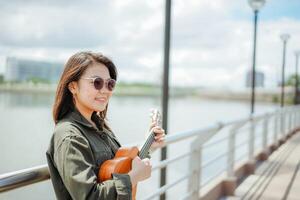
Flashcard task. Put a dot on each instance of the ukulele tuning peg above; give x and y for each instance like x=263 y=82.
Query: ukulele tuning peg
x=151 y=111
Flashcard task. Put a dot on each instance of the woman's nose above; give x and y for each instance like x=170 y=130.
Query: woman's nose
x=104 y=90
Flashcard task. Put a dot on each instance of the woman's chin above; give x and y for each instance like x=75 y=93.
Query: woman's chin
x=99 y=108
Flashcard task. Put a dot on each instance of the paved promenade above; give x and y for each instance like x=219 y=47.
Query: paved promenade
x=276 y=178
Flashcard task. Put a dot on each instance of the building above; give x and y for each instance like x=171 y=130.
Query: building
x=21 y=70
x=259 y=79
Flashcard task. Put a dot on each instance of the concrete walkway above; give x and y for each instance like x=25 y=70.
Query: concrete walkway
x=276 y=178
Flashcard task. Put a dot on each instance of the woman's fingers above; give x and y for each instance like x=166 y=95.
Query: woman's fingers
x=158 y=129
x=159 y=133
x=162 y=136
x=146 y=161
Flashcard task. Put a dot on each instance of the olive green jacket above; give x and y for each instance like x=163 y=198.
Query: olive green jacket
x=76 y=151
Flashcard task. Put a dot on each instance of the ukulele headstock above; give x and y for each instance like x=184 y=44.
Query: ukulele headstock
x=155 y=117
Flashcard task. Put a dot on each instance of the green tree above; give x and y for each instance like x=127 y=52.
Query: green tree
x=291 y=81
x=36 y=80
x=1 y=78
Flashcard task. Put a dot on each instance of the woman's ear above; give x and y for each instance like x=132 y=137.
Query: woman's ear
x=72 y=87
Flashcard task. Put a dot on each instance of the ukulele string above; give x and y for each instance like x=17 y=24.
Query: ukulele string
x=147 y=145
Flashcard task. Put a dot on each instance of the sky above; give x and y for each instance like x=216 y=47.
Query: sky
x=211 y=41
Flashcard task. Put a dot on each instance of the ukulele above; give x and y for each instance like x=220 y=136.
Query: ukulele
x=121 y=163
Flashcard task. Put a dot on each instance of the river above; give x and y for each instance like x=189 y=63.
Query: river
x=26 y=128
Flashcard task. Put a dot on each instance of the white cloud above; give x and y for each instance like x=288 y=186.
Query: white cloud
x=210 y=46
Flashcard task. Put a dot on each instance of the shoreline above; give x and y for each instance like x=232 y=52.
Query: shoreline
x=261 y=94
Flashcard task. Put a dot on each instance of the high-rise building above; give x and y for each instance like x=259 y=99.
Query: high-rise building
x=259 y=79
x=25 y=70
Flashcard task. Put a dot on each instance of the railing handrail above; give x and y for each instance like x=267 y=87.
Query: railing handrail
x=16 y=179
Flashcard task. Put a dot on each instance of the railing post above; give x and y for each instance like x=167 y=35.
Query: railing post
x=296 y=114
x=275 y=127
x=286 y=122
x=195 y=164
x=298 y=118
x=294 y=119
x=231 y=152
x=230 y=183
x=297 y=121
x=290 y=121
x=297 y=111
x=265 y=132
x=282 y=125
x=251 y=138
x=231 y=148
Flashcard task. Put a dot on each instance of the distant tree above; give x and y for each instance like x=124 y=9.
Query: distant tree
x=1 y=78
x=291 y=81
x=36 y=80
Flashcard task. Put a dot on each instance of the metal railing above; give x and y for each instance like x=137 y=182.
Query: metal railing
x=273 y=126
x=13 y=180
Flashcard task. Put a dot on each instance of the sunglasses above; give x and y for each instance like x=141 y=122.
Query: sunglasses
x=100 y=82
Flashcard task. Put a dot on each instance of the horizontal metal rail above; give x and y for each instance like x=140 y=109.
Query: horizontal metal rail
x=165 y=187
x=241 y=144
x=164 y=163
x=23 y=177
x=215 y=142
x=211 y=161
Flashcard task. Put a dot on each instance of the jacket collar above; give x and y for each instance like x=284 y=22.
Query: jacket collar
x=76 y=116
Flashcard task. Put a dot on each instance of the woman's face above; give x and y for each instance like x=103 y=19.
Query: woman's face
x=87 y=98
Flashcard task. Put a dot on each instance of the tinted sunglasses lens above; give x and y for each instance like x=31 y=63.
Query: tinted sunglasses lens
x=98 y=83
x=111 y=84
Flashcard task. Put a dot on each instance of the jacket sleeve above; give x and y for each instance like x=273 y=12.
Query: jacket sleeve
x=75 y=163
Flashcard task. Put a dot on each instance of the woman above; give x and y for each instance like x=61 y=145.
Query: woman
x=82 y=139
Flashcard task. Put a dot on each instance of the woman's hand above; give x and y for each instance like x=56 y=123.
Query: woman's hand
x=141 y=170
x=159 y=139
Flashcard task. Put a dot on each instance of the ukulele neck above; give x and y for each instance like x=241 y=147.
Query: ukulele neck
x=145 y=149
x=156 y=117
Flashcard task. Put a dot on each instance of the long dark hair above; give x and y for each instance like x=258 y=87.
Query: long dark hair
x=74 y=68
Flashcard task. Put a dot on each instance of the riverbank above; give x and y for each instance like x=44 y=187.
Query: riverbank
x=261 y=94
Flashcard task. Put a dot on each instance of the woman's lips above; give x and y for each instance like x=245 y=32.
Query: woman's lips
x=101 y=99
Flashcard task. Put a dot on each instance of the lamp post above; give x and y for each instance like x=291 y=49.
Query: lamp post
x=296 y=100
x=165 y=99
x=284 y=38
x=255 y=5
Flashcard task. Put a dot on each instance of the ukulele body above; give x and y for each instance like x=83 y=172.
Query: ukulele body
x=120 y=164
